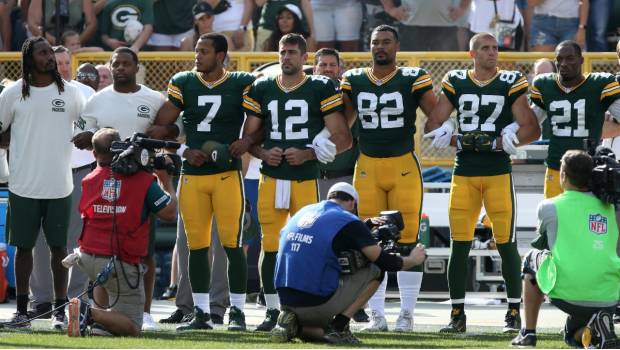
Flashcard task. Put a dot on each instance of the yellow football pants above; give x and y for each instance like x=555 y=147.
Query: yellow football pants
x=392 y=183
x=203 y=196
x=272 y=220
x=552 y=183
x=469 y=193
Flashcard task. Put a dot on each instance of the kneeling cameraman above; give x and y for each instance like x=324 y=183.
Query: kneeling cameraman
x=576 y=262
x=313 y=292
x=115 y=238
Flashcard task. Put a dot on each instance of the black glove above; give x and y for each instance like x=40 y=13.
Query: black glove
x=221 y=6
x=466 y=142
x=475 y=141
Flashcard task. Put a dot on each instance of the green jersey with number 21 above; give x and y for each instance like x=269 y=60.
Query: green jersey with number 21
x=211 y=111
x=486 y=107
x=575 y=113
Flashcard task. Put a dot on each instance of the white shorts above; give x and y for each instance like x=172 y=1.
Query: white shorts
x=157 y=39
x=340 y=22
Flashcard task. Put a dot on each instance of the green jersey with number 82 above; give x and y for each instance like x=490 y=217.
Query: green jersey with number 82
x=211 y=112
x=292 y=117
x=386 y=108
x=485 y=107
x=575 y=113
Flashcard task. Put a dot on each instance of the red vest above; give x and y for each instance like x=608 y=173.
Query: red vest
x=97 y=208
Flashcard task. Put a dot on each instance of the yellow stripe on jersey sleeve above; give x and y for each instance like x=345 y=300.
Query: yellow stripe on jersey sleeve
x=345 y=85
x=518 y=86
x=447 y=86
x=610 y=89
x=175 y=92
x=330 y=103
x=421 y=82
x=251 y=104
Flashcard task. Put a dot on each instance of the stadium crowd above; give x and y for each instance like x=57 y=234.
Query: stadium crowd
x=257 y=25
x=263 y=150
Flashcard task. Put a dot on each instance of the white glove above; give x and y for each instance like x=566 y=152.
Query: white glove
x=442 y=135
x=324 y=149
x=510 y=139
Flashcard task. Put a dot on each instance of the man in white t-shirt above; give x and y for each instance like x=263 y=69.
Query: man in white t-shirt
x=235 y=24
x=134 y=109
x=40 y=109
x=81 y=164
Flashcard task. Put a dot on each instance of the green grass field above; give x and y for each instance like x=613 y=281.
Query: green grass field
x=478 y=337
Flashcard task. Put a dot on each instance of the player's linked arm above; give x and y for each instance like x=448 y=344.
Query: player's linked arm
x=164 y=126
x=350 y=113
x=529 y=130
x=339 y=130
x=440 y=112
x=252 y=126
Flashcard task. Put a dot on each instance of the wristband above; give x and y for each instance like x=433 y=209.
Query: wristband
x=181 y=150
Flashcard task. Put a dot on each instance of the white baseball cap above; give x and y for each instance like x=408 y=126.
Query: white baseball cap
x=344 y=187
x=295 y=9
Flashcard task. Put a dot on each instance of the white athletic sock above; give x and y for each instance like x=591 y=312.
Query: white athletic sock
x=409 y=283
x=202 y=301
x=377 y=301
x=237 y=300
x=272 y=301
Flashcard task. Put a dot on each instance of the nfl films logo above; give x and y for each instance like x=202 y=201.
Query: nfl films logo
x=598 y=224
x=111 y=190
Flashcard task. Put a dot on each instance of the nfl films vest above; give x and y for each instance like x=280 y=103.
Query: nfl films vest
x=97 y=209
x=306 y=260
x=584 y=254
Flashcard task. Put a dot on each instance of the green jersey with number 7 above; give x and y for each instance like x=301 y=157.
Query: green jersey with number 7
x=575 y=113
x=484 y=106
x=211 y=112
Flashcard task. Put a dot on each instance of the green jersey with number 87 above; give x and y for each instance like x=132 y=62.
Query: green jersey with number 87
x=292 y=117
x=386 y=108
x=486 y=107
x=211 y=112
x=575 y=113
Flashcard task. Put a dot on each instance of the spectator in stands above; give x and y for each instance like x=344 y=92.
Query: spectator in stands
x=338 y=25
x=502 y=18
x=173 y=22
x=428 y=25
x=598 y=17
x=71 y=40
x=5 y=23
x=116 y=14
x=203 y=24
x=269 y=16
x=88 y=75
x=234 y=24
x=105 y=76
x=288 y=21
x=77 y=12
x=557 y=20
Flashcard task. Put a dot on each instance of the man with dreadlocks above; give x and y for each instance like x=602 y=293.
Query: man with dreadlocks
x=40 y=109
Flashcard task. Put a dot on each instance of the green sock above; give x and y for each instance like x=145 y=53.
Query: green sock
x=457 y=269
x=237 y=270
x=268 y=271
x=511 y=269
x=199 y=270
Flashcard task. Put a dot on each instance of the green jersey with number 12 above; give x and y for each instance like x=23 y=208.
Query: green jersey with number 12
x=575 y=113
x=486 y=107
x=386 y=108
x=292 y=117
x=211 y=112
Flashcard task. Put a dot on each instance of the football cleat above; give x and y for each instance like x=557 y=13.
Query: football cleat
x=458 y=322
x=512 y=321
x=377 y=323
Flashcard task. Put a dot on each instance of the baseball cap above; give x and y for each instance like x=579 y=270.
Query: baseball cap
x=218 y=153
x=346 y=188
x=202 y=8
x=294 y=9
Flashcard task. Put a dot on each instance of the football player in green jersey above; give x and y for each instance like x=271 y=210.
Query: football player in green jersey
x=292 y=108
x=384 y=99
x=493 y=117
x=210 y=98
x=576 y=105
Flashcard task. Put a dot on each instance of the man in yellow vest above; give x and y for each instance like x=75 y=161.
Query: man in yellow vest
x=575 y=262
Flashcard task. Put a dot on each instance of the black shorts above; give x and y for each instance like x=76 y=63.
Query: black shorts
x=578 y=317
x=531 y=263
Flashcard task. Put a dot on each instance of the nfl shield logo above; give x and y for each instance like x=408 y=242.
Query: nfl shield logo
x=598 y=224
x=109 y=192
